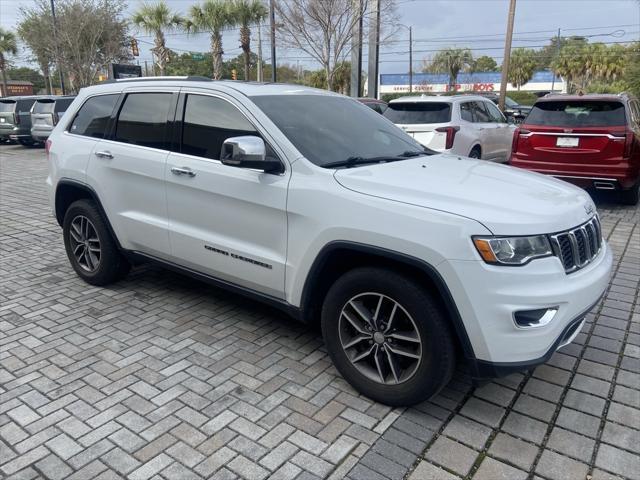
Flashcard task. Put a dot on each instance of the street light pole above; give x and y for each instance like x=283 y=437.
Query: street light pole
x=55 y=39
x=507 y=54
x=553 y=70
x=272 y=18
x=410 y=60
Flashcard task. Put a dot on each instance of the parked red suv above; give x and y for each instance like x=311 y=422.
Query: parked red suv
x=588 y=140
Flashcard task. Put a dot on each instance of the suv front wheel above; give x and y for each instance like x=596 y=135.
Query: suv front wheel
x=91 y=249
x=387 y=336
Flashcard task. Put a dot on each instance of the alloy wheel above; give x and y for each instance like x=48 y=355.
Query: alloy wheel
x=380 y=338
x=85 y=243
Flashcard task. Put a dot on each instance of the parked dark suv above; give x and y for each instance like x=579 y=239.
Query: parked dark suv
x=45 y=114
x=588 y=140
x=15 y=119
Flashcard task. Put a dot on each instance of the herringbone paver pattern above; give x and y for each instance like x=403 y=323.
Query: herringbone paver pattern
x=162 y=377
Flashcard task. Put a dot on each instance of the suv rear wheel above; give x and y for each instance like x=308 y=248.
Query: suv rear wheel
x=387 y=336
x=91 y=249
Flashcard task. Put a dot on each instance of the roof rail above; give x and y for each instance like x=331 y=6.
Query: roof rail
x=156 y=79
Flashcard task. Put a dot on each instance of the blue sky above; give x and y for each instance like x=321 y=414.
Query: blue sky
x=475 y=24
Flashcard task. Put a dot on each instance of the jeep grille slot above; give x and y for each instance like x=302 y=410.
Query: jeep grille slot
x=577 y=247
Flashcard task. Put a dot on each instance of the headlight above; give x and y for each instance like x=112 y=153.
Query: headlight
x=512 y=250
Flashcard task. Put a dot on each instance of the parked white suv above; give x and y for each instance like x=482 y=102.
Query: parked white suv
x=469 y=125
x=315 y=203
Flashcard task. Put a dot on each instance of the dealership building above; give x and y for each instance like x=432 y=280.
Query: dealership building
x=541 y=81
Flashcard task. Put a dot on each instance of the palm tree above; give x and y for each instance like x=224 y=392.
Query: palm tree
x=245 y=13
x=8 y=45
x=155 y=18
x=212 y=16
x=521 y=66
x=451 y=61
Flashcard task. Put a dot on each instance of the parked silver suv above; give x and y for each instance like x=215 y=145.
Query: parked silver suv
x=45 y=114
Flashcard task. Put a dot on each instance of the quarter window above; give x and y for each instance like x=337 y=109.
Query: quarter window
x=494 y=113
x=208 y=122
x=143 y=120
x=92 y=118
x=465 y=111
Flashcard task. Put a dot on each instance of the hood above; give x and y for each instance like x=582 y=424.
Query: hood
x=507 y=200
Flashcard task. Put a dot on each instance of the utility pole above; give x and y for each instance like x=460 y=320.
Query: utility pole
x=272 y=18
x=260 y=76
x=410 y=60
x=356 y=51
x=553 y=80
x=507 y=54
x=55 y=39
x=374 y=43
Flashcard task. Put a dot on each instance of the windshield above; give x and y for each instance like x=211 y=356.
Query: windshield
x=418 y=112
x=43 y=106
x=578 y=113
x=7 y=106
x=328 y=129
x=509 y=102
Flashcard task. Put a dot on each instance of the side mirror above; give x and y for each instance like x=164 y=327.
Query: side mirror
x=248 y=152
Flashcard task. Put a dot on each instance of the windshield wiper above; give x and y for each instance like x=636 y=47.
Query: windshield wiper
x=355 y=161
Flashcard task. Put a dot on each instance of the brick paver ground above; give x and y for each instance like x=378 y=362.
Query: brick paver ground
x=162 y=377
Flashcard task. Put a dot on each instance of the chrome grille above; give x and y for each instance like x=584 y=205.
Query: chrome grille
x=579 y=246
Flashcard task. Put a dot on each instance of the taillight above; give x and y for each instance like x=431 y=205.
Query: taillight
x=516 y=138
x=451 y=135
x=47 y=147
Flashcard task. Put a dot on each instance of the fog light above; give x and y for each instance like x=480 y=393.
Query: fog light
x=534 y=318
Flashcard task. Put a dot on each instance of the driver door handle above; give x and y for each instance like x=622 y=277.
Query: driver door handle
x=104 y=154
x=183 y=171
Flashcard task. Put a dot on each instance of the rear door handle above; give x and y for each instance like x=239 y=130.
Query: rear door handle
x=183 y=171
x=104 y=154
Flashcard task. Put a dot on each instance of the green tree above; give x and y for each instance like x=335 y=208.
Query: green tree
x=185 y=64
x=212 y=16
x=36 y=31
x=8 y=46
x=631 y=75
x=29 y=75
x=155 y=19
x=570 y=63
x=521 y=66
x=452 y=61
x=484 y=64
x=245 y=13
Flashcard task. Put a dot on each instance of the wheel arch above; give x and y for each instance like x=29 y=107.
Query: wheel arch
x=69 y=191
x=336 y=258
x=478 y=147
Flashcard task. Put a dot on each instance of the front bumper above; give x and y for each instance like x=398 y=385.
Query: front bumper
x=487 y=297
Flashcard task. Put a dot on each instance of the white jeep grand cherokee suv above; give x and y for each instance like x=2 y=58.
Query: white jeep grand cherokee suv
x=315 y=203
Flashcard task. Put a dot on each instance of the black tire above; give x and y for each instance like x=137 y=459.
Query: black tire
x=475 y=153
x=111 y=265
x=630 y=196
x=26 y=143
x=437 y=356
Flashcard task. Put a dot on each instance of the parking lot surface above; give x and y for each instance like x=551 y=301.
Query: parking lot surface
x=163 y=377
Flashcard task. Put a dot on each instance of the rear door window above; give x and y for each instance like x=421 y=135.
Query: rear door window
x=92 y=118
x=418 y=112
x=43 y=106
x=479 y=112
x=578 y=113
x=143 y=120
x=7 y=105
x=494 y=113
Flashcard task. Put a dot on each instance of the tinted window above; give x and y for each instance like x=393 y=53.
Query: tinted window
x=578 y=113
x=62 y=104
x=25 y=105
x=92 y=118
x=332 y=129
x=465 y=111
x=479 y=113
x=7 y=106
x=418 y=112
x=143 y=120
x=208 y=122
x=494 y=113
x=43 y=106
